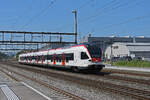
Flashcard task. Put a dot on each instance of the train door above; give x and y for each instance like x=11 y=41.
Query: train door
x=27 y=59
x=42 y=59
x=47 y=58
x=37 y=59
x=30 y=59
x=63 y=59
x=54 y=59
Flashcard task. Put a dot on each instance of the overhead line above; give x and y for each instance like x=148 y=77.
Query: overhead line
x=80 y=7
x=112 y=5
x=39 y=14
x=101 y=9
x=102 y=12
x=19 y=17
x=127 y=21
x=86 y=3
x=113 y=8
x=105 y=6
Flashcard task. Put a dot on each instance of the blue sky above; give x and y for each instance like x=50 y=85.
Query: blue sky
x=98 y=17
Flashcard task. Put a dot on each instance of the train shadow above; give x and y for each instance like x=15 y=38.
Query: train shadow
x=101 y=73
x=84 y=72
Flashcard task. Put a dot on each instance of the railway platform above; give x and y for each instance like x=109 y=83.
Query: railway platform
x=128 y=68
x=19 y=91
x=12 y=90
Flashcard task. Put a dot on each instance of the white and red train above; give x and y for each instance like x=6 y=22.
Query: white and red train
x=78 y=57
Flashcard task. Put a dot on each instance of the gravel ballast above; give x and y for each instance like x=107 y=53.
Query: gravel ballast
x=82 y=91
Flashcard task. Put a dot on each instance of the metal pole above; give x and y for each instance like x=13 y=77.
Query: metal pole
x=42 y=37
x=31 y=37
x=50 y=38
x=24 y=40
x=75 y=12
x=112 y=51
x=60 y=38
x=111 y=56
x=11 y=37
x=3 y=37
x=37 y=46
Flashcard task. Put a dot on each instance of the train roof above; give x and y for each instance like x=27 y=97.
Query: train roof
x=62 y=48
x=65 y=47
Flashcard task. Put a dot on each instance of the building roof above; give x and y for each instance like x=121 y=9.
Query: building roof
x=127 y=39
x=137 y=46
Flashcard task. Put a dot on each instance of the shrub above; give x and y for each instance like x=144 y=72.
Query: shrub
x=133 y=63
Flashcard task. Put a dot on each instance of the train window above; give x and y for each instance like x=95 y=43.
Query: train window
x=69 y=56
x=21 y=58
x=40 y=58
x=50 y=57
x=94 y=51
x=45 y=57
x=84 y=55
x=32 y=57
x=60 y=58
x=35 y=57
x=56 y=58
x=67 y=60
x=26 y=58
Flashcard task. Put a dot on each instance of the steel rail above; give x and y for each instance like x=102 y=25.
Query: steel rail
x=60 y=91
x=127 y=79
x=125 y=72
x=109 y=87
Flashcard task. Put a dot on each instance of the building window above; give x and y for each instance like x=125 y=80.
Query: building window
x=115 y=47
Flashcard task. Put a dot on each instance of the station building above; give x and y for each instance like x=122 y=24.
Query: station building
x=134 y=50
x=105 y=42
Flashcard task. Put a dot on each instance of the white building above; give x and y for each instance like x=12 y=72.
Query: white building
x=128 y=49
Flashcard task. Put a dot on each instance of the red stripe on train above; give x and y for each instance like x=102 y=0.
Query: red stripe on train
x=63 y=59
x=42 y=59
x=54 y=61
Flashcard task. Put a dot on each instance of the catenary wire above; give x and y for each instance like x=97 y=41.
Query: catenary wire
x=39 y=14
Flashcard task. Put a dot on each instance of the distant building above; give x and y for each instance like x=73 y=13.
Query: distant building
x=134 y=50
x=104 y=42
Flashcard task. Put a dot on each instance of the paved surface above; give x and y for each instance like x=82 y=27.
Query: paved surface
x=21 y=91
x=128 y=68
x=12 y=90
x=2 y=96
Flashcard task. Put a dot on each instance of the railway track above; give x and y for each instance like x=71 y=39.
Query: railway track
x=57 y=90
x=109 y=87
x=126 y=72
x=127 y=79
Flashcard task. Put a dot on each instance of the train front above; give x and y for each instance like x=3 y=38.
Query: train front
x=95 y=61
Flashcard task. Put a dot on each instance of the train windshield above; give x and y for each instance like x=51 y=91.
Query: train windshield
x=94 y=51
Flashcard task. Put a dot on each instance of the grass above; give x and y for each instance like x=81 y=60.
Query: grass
x=133 y=63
